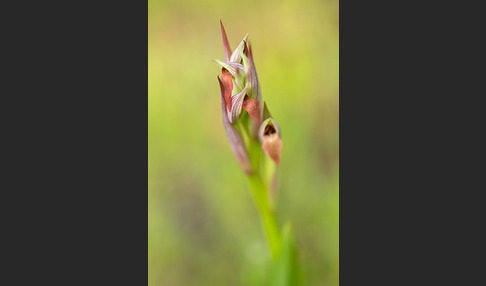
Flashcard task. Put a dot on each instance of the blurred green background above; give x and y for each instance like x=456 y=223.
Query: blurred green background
x=203 y=228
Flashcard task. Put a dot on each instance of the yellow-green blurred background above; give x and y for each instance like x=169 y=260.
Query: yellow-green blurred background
x=203 y=228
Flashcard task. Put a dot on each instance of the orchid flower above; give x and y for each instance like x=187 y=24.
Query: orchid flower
x=240 y=90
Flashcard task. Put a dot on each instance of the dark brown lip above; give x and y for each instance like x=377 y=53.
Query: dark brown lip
x=269 y=129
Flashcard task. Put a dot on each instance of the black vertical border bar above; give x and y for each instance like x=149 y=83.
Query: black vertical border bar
x=74 y=108
x=123 y=192
x=103 y=229
x=372 y=176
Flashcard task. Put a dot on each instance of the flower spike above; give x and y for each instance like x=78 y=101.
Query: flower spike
x=240 y=89
x=249 y=133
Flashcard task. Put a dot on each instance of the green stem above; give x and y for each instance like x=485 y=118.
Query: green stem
x=260 y=192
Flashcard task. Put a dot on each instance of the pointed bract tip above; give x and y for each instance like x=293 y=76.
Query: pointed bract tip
x=266 y=112
x=226 y=46
x=236 y=55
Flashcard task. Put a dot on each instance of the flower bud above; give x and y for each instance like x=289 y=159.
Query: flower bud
x=237 y=105
x=269 y=136
x=234 y=138
x=236 y=56
x=251 y=74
